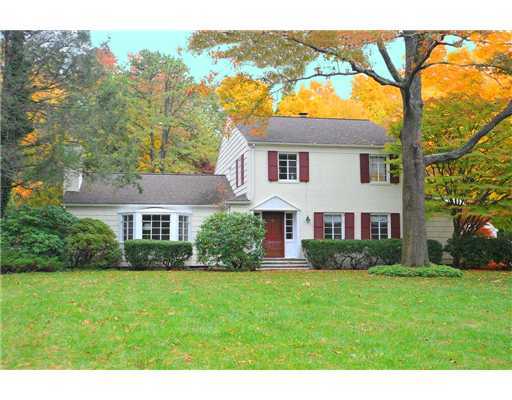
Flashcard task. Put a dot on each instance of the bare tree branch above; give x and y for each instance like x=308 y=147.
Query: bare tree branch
x=497 y=67
x=468 y=146
x=355 y=67
x=389 y=63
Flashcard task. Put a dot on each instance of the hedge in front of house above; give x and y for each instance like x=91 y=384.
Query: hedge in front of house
x=359 y=254
x=478 y=251
x=143 y=254
x=432 y=271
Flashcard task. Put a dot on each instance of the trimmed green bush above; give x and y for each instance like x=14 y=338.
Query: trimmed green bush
x=478 y=251
x=432 y=271
x=92 y=244
x=360 y=254
x=232 y=241
x=142 y=254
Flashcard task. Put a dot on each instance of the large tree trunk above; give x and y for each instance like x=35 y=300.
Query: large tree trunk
x=414 y=248
x=15 y=99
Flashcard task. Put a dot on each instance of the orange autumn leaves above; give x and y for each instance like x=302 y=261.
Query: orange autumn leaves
x=242 y=96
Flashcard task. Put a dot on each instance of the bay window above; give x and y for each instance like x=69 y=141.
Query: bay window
x=183 y=227
x=156 y=226
x=127 y=227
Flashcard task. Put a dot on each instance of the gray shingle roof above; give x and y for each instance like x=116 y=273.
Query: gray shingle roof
x=177 y=189
x=305 y=130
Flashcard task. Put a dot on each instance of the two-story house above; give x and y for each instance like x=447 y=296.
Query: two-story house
x=306 y=177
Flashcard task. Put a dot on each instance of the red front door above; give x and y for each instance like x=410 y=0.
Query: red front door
x=274 y=234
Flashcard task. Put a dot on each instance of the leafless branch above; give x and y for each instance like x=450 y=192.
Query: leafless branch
x=355 y=67
x=389 y=63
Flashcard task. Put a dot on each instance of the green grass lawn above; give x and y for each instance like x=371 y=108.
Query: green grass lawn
x=261 y=320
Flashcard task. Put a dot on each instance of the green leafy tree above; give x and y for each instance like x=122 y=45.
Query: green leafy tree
x=286 y=57
x=178 y=121
x=477 y=187
x=57 y=97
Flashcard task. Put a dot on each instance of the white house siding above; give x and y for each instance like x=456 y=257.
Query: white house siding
x=111 y=216
x=107 y=214
x=233 y=147
x=334 y=185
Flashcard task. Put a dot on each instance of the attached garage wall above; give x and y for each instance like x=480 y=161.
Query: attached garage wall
x=440 y=228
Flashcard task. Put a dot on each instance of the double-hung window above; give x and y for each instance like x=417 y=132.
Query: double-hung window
x=183 y=227
x=379 y=226
x=333 y=226
x=156 y=226
x=288 y=166
x=378 y=169
x=127 y=227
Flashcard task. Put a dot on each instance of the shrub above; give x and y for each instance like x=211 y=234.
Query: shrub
x=157 y=253
x=14 y=261
x=92 y=244
x=37 y=231
x=477 y=251
x=431 y=271
x=335 y=254
x=435 y=251
x=231 y=240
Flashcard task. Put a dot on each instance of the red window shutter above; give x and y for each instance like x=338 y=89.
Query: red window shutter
x=242 y=177
x=304 y=166
x=395 y=225
x=272 y=166
x=365 y=226
x=349 y=226
x=318 y=225
x=394 y=171
x=364 y=167
x=236 y=172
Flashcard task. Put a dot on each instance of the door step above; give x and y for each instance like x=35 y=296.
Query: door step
x=284 y=263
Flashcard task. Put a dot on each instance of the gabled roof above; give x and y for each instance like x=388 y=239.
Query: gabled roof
x=173 y=189
x=322 y=131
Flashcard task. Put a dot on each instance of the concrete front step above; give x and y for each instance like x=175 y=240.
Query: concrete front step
x=284 y=263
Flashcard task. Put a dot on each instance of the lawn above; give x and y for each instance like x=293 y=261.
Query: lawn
x=261 y=320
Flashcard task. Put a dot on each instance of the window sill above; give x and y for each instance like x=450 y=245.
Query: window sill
x=287 y=181
x=380 y=183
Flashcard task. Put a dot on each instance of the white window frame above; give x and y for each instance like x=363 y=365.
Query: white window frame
x=286 y=226
x=388 y=225
x=151 y=221
x=288 y=167
x=331 y=214
x=386 y=166
x=122 y=226
x=183 y=234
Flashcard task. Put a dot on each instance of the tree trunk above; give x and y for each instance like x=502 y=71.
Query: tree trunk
x=166 y=129
x=15 y=98
x=414 y=247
